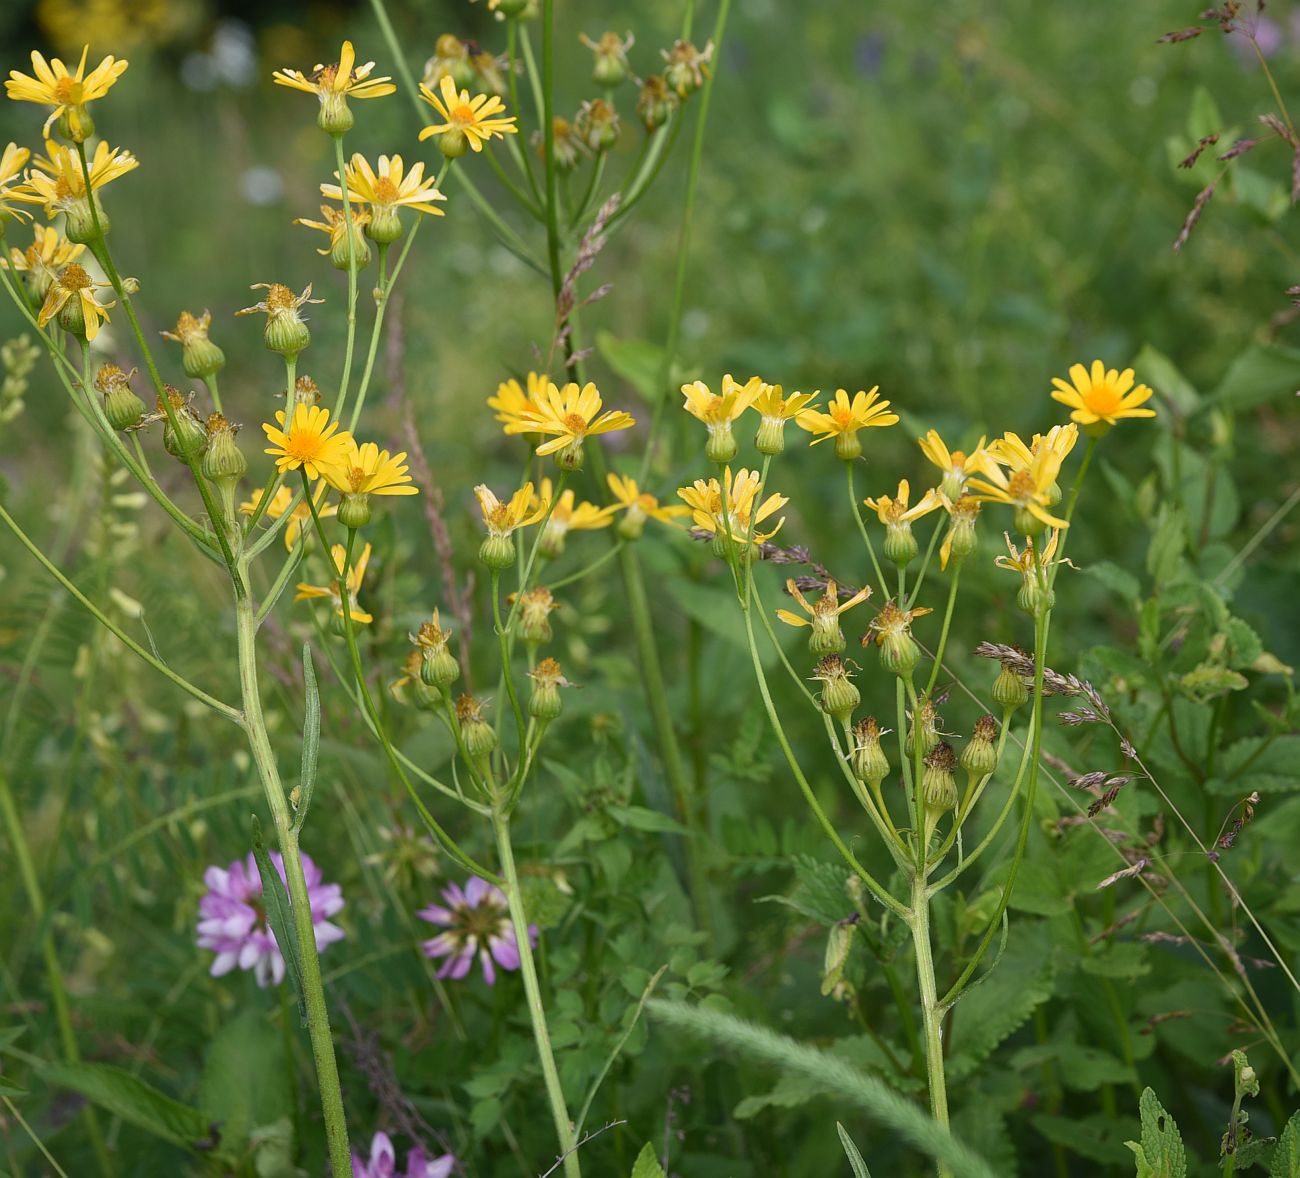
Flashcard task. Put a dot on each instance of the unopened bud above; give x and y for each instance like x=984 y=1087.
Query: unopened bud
x=721 y=446
x=354 y=509
x=838 y=943
x=926 y=723
x=1009 y=690
x=478 y=735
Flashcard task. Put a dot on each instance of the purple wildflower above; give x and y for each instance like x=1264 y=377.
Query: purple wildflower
x=383 y=1162
x=232 y=918
x=477 y=920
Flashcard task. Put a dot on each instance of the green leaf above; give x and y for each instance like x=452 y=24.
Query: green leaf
x=858 y=1166
x=790 y=1091
x=647 y=1164
x=1203 y=117
x=244 y=1082
x=641 y=818
x=1157 y=370
x=1263 y=372
x=139 y=1103
x=638 y=362
x=310 y=739
x=9 y=1088
x=1119 y=581
x=718 y=611
x=1161 y=1153
x=1097 y=1138
x=1286 y=1158
x=272 y=1147
x=279 y=917
x=1165 y=556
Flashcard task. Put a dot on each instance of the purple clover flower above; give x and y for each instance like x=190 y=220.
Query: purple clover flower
x=232 y=918
x=383 y=1162
x=477 y=921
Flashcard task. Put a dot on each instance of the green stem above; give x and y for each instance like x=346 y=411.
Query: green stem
x=536 y=1012
x=925 y=567
x=504 y=641
x=346 y=378
x=931 y=1011
x=586 y=571
x=947 y=622
x=211 y=382
x=318 y=1026
x=866 y=536
x=548 y=144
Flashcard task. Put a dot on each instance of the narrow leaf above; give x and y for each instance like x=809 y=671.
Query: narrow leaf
x=279 y=916
x=855 y=1159
x=310 y=738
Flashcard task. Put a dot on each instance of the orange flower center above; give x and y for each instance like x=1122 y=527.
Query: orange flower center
x=1021 y=486
x=841 y=416
x=576 y=424
x=280 y=298
x=385 y=191
x=304 y=445
x=67 y=92
x=462 y=115
x=75 y=278
x=1102 y=399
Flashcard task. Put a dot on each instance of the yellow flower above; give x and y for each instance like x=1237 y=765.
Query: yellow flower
x=1101 y=397
x=72 y=298
x=571 y=414
x=895 y=512
x=719 y=410
x=1028 y=488
x=957 y=466
x=388 y=187
x=338 y=557
x=569 y=516
x=368 y=470
x=844 y=417
x=310 y=442
x=775 y=409
x=468 y=121
x=1011 y=451
x=823 y=615
x=960 y=540
x=67 y=93
x=513 y=404
x=640 y=507
x=301 y=517
x=334 y=84
x=741 y=509
x=503 y=517
x=48 y=254
x=335 y=225
x=1033 y=565
x=11 y=164
x=59 y=185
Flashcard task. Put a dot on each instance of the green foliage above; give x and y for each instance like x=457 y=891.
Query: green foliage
x=1160 y=1153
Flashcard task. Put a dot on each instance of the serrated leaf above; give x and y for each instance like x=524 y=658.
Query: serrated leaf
x=1286 y=1158
x=127 y=1096
x=275 y=898
x=1161 y=1153
x=647 y=1164
x=858 y=1166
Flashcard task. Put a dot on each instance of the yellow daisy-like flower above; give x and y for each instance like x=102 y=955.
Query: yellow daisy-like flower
x=469 y=122
x=1030 y=489
x=513 y=404
x=733 y=516
x=719 y=410
x=58 y=184
x=895 y=512
x=42 y=261
x=1011 y=451
x=567 y=516
x=503 y=517
x=338 y=558
x=12 y=162
x=300 y=519
x=368 y=470
x=957 y=466
x=823 y=615
x=640 y=506
x=67 y=93
x=72 y=298
x=1101 y=397
x=386 y=189
x=775 y=409
x=334 y=84
x=844 y=417
x=311 y=442
x=1033 y=565
x=571 y=415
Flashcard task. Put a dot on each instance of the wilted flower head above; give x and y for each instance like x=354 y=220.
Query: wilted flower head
x=476 y=920
x=334 y=83
x=232 y=917
x=823 y=615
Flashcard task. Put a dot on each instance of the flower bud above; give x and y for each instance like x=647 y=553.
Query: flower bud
x=938 y=784
x=771 y=436
x=200 y=357
x=979 y=758
x=222 y=460
x=686 y=67
x=838 y=696
x=476 y=733
x=334 y=117
x=868 y=758
x=721 y=446
x=1009 y=690
x=75 y=124
x=121 y=405
x=1027 y=523
x=610 y=67
x=426 y=697
x=534 y=621
x=544 y=704
x=354 y=509
x=187 y=440
x=497 y=552
x=900 y=545
x=384 y=226
x=453 y=143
